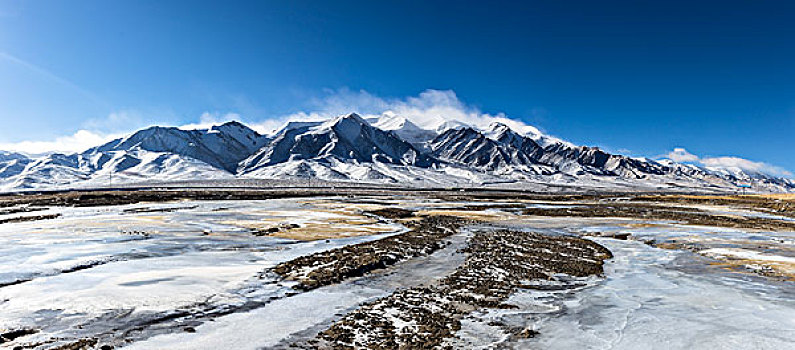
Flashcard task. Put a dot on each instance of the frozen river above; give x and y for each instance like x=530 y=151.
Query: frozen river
x=653 y=298
x=192 y=275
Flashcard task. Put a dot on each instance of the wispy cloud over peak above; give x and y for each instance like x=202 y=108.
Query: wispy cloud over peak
x=681 y=155
x=429 y=109
x=209 y=119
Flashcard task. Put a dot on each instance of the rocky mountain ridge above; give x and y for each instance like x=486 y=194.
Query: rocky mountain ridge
x=389 y=149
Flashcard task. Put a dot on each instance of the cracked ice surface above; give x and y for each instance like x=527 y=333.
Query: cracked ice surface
x=644 y=303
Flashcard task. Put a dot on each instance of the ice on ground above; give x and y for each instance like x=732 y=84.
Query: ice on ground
x=646 y=303
x=746 y=255
x=289 y=317
x=265 y=326
x=154 y=284
x=94 y=261
x=63 y=276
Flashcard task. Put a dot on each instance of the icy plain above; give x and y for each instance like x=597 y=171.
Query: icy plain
x=143 y=272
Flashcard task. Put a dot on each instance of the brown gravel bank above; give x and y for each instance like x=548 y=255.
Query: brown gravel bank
x=497 y=263
x=781 y=204
x=689 y=216
x=30 y=218
x=424 y=237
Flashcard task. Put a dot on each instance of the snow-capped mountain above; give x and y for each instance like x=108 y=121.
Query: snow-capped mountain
x=348 y=137
x=405 y=129
x=350 y=148
x=468 y=147
x=9 y=156
x=12 y=164
x=222 y=146
x=65 y=170
x=500 y=147
x=156 y=153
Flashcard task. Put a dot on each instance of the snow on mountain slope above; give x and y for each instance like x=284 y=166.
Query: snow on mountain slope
x=293 y=125
x=12 y=164
x=158 y=166
x=466 y=146
x=384 y=149
x=405 y=129
x=222 y=146
x=500 y=147
x=376 y=172
x=450 y=124
x=520 y=145
x=469 y=147
x=54 y=169
x=582 y=159
x=9 y=156
x=510 y=151
x=113 y=167
x=152 y=154
x=347 y=137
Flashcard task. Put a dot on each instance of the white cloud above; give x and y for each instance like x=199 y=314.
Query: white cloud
x=428 y=110
x=91 y=132
x=210 y=119
x=95 y=132
x=683 y=156
x=745 y=164
x=77 y=142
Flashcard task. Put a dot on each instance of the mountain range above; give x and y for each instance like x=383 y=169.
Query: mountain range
x=387 y=149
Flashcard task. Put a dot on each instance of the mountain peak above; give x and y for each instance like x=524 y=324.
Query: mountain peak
x=230 y=124
x=393 y=122
x=352 y=116
x=404 y=128
x=498 y=125
x=451 y=124
x=235 y=129
x=497 y=129
x=348 y=143
x=345 y=119
x=4 y=156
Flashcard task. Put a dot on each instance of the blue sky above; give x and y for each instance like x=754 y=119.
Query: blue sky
x=642 y=77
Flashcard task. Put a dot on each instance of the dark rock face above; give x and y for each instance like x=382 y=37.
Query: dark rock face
x=346 y=138
x=521 y=145
x=595 y=161
x=466 y=146
x=470 y=147
x=279 y=150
